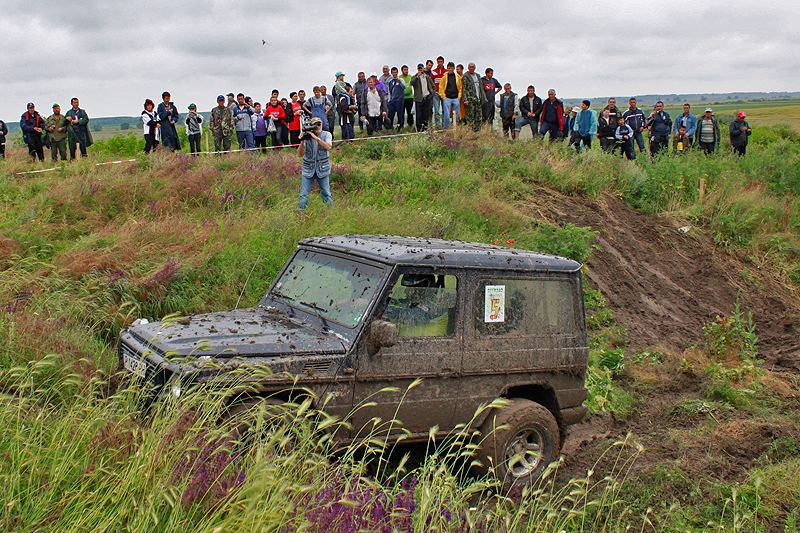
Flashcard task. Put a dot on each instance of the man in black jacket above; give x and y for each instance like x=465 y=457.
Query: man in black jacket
x=551 y=116
x=659 y=125
x=530 y=107
x=32 y=125
x=3 y=133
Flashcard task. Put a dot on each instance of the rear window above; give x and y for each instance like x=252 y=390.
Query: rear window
x=524 y=307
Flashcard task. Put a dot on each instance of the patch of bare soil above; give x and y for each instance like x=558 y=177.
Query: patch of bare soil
x=663 y=285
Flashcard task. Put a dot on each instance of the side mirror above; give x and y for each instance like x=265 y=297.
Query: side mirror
x=382 y=334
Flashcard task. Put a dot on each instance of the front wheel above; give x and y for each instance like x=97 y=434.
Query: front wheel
x=518 y=441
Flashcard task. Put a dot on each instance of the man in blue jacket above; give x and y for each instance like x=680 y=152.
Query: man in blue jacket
x=686 y=120
x=659 y=125
x=32 y=125
x=585 y=127
x=634 y=117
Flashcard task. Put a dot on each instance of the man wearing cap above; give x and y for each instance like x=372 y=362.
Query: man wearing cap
x=740 y=131
x=634 y=117
x=424 y=89
x=78 y=133
x=32 y=125
x=231 y=101
x=315 y=147
x=57 y=127
x=706 y=136
x=221 y=125
x=686 y=120
x=194 y=128
x=659 y=125
x=339 y=86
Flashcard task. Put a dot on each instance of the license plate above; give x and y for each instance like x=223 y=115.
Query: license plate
x=137 y=366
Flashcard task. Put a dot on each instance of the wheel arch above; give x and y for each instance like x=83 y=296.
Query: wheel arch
x=541 y=393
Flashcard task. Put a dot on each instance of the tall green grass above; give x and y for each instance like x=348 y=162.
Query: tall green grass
x=103 y=465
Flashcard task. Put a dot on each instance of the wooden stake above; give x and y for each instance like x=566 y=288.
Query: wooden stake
x=702 y=188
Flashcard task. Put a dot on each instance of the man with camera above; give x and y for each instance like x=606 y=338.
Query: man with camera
x=315 y=147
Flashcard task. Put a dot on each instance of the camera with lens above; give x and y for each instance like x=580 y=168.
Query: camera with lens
x=305 y=123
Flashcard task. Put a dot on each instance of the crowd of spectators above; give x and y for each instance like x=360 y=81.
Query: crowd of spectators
x=436 y=96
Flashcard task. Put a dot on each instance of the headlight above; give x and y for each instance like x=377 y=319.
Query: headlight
x=175 y=390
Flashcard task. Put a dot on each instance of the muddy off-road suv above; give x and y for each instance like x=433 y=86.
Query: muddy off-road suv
x=356 y=318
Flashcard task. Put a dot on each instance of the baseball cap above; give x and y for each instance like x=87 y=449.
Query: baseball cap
x=741 y=114
x=220 y=97
x=192 y=106
x=315 y=121
x=708 y=110
x=56 y=105
x=420 y=65
x=230 y=94
x=340 y=73
x=30 y=105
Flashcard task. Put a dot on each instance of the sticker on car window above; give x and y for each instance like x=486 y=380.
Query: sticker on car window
x=494 y=309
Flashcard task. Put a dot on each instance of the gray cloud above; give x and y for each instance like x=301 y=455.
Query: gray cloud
x=116 y=54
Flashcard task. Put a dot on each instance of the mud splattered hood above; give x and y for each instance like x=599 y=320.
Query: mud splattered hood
x=255 y=332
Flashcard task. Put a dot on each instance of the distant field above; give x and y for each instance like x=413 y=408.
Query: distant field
x=767 y=113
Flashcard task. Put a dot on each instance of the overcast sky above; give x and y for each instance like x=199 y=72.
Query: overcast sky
x=113 y=54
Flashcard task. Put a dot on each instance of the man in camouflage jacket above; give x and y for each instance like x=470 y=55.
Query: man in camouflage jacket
x=221 y=125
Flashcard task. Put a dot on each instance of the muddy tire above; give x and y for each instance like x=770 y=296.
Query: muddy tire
x=518 y=442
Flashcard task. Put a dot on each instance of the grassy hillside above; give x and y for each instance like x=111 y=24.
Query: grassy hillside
x=86 y=249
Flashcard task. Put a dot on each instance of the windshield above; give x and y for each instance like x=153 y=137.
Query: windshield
x=334 y=288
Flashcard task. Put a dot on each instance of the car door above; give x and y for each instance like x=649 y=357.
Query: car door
x=429 y=347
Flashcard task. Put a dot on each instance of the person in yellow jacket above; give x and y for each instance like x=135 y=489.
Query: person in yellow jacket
x=450 y=92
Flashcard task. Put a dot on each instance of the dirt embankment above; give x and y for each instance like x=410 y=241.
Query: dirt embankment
x=663 y=285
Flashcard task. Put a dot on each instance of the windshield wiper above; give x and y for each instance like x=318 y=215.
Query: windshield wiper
x=317 y=309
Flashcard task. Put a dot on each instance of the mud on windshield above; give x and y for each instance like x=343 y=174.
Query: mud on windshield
x=334 y=288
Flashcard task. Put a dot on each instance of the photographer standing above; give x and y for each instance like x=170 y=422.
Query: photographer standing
x=315 y=147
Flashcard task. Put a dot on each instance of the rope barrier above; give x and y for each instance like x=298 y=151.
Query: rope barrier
x=336 y=144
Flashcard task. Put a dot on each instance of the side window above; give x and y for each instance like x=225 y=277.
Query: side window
x=524 y=307
x=423 y=305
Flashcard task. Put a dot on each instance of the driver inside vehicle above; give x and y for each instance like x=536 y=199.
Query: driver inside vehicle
x=421 y=306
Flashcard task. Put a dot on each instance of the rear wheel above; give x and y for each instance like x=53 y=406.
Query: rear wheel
x=518 y=442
